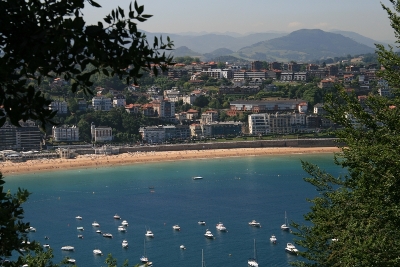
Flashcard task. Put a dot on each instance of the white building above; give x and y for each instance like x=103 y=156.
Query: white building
x=119 y=101
x=101 y=133
x=152 y=134
x=65 y=133
x=189 y=99
x=259 y=123
x=209 y=116
x=101 y=103
x=60 y=106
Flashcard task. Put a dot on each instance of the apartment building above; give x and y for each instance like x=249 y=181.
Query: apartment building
x=101 y=103
x=60 y=106
x=26 y=137
x=65 y=133
x=101 y=133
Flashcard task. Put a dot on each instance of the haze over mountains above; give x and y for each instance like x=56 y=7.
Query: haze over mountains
x=301 y=45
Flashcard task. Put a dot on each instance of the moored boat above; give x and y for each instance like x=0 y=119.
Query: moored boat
x=176 y=227
x=121 y=228
x=78 y=217
x=124 y=223
x=197 y=178
x=67 y=248
x=95 y=224
x=107 y=235
x=221 y=227
x=201 y=222
x=273 y=239
x=117 y=217
x=208 y=234
x=97 y=252
x=125 y=244
x=290 y=248
x=80 y=228
x=254 y=223
x=252 y=262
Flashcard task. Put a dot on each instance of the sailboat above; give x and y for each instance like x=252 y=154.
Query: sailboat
x=144 y=258
x=252 y=262
x=203 y=264
x=285 y=226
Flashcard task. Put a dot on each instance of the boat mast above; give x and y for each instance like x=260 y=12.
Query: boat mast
x=255 y=250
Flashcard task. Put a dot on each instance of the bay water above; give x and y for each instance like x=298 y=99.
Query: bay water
x=157 y=196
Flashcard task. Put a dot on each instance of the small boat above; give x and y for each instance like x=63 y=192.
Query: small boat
x=98 y=231
x=182 y=247
x=121 y=228
x=176 y=227
x=31 y=229
x=273 y=239
x=290 y=248
x=46 y=246
x=144 y=258
x=208 y=234
x=117 y=217
x=254 y=223
x=197 y=178
x=124 y=244
x=149 y=233
x=78 y=217
x=46 y=237
x=95 y=224
x=252 y=262
x=80 y=228
x=124 y=223
x=220 y=226
x=71 y=261
x=80 y=236
x=97 y=252
x=285 y=226
x=201 y=222
x=107 y=235
x=68 y=248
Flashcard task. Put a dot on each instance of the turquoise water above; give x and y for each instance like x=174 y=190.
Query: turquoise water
x=234 y=191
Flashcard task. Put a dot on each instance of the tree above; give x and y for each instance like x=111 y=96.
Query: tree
x=48 y=39
x=354 y=219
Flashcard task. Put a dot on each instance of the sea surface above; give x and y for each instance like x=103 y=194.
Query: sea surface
x=157 y=196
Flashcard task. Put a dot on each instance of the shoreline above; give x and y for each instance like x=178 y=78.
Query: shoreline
x=96 y=161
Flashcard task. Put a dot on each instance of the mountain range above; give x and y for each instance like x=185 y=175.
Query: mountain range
x=301 y=45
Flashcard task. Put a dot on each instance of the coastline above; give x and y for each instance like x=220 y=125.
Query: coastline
x=98 y=161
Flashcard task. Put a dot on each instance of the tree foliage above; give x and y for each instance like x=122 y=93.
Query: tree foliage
x=354 y=220
x=50 y=38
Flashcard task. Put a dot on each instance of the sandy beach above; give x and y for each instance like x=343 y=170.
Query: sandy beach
x=97 y=161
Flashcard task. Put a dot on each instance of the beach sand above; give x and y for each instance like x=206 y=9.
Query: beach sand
x=98 y=161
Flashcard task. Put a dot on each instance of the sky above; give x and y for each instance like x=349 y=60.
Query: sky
x=365 y=17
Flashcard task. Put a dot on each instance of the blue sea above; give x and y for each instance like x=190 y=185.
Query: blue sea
x=157 y=196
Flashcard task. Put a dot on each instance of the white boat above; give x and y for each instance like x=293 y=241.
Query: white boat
x=124 y=244
x=176 y=227
x=254 y=223
x=273 y=239
x=149 y=233
x=121 y=228
x=252 y=262
x=182 y=247
x=98 y=231
x=31 y=229
x=117 y=217
x=46 y=246
x=144 y=258
x=208 y=234
x=124 y=223
x=220 y=226
x=95 y=224
x=285 y=226
x=201 y=222
x=67 y=248
x=78 y=217
x=290 y=248
x=80 y=228
x=197 y=178
x=71 y=261
x=80 y=236
x=97 y=252
x=108 y=235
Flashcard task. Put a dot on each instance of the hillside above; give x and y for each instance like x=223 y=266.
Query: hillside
x=304 y=45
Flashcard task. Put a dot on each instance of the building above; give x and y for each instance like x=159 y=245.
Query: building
x=279 y=123
x=65 y=133
x=101 y=103
x=82 y=105
x=164 y=108
x=218 y=73
x=248 y=75
x=209 y=116
x=173 y=95
x=152 y=134
x=133 y=108
x=60 y=106
x=258 y=124
x=119 y=101
x=266 y=106
x=101 y=133
x=26 y=137
x=242 y=90
x=294 y=76
x=256 y=65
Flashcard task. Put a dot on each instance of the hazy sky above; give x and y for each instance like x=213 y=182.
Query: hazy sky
x=365 y=17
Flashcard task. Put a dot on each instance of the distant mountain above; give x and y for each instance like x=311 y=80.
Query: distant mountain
x=218 y=53
x=209 y=42
x=183 y=51
x=359 y=38
x=304 y=45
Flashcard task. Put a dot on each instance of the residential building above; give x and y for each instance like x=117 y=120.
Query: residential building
x=133 y=108
x=119 y=101
x=164 y=108
x=256 y=65
x=82 y=105
x=173 y=95
x=65 y=133
x=265 y=106
x=60 y=106
x=294 y=76
x=209 y=116
x=319 y=109
x=243 y=90
x=101 y=133
x=247 y=75
x=152 y=134
x=189 y=99
x=258 y=124
x=323 y=84
x=218 y=73
x=26 y=137
x=101 y=103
